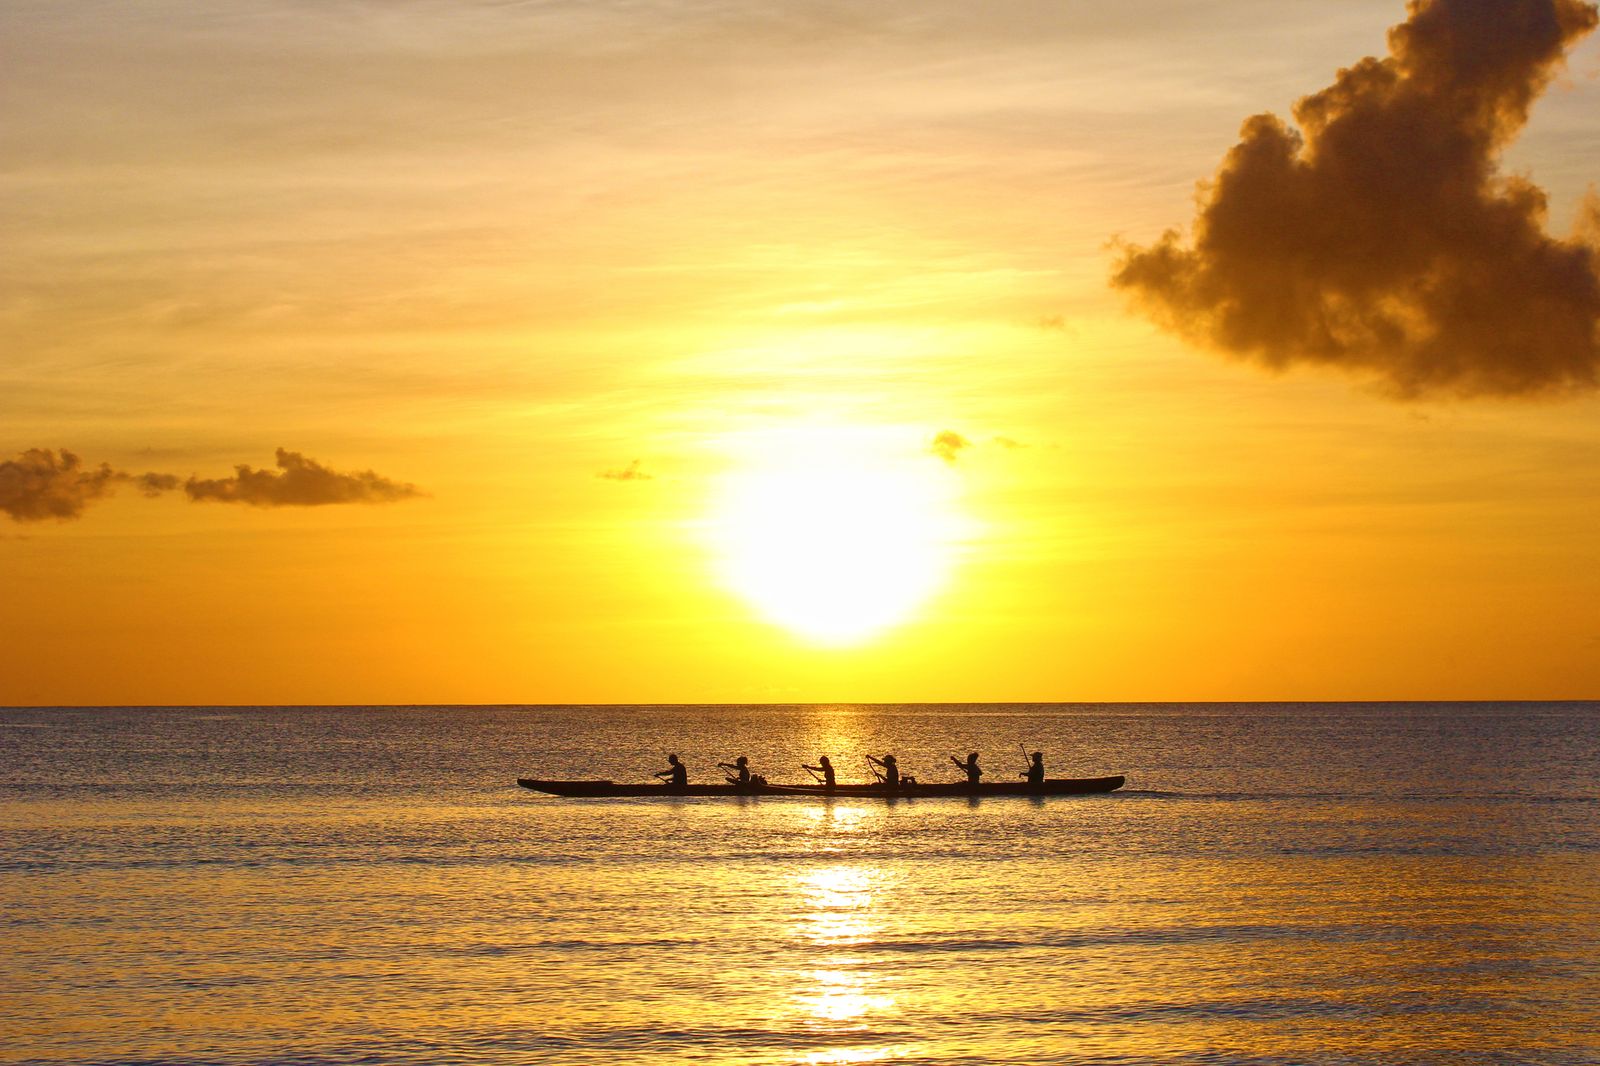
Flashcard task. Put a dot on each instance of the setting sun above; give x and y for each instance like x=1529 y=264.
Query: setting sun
x=833 y=541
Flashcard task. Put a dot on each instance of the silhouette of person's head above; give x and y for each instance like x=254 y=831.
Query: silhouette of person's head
x=1038 y=756
x=740 y=761
x=824 y=761
x=673 y=759
x=888 y=758
x=972 y=756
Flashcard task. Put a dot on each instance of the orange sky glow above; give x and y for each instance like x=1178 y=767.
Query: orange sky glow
x=709 y=352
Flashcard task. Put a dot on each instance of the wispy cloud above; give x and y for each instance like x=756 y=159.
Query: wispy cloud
x=42 y=484
x=1381 y=237
x=947 y=444
x=634 y=471
x=298 y=482
x=156 y=484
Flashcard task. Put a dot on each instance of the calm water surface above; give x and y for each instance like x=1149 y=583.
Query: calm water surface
x=1278 y=884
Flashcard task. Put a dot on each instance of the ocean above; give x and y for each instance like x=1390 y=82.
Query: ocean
x=1277 y=884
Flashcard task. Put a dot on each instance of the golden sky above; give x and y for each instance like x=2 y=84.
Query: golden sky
x=714 y=351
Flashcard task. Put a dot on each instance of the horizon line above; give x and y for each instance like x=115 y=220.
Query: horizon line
x=784 y=703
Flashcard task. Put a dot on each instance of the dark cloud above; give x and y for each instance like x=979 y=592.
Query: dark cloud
x=948 y=444
x=1381 y=237
x=40 y=484
x=1588 y=228
x=631 y=472
x=156 y=484
x=298 y=482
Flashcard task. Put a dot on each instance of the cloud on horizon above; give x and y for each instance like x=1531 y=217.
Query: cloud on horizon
x=1381 y=238
x=41 y=484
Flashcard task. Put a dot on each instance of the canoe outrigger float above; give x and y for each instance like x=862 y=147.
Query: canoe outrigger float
x=1053 y=786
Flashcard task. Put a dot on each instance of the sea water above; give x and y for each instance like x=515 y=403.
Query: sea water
x=1314 y=883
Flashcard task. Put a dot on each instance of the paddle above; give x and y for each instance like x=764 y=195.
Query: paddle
x=874 y=768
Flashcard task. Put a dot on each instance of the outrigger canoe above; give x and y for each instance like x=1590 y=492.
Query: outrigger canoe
x=1053 y=786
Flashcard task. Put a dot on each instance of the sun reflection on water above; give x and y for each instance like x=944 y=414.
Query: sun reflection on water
x=844 y=1056
x=835 y=816
x=841 y=912
x=839 y=906
x=841 y=996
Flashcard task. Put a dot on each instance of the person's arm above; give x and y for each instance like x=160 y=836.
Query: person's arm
x=875 y=759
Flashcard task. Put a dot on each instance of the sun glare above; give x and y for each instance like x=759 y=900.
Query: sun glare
x=834 y=543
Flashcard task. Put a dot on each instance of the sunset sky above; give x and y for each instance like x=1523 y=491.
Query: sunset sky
x=719 y=352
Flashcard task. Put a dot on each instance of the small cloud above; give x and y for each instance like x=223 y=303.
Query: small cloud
x=948 y=444
x=156 y=484
x=631 y=472
x=1009 y=444
x=1056 y=323
x=41 y=484
x=298 y=482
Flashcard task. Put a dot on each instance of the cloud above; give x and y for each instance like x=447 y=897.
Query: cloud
x=1381 y=238
x=156 y=484
x=1010 y=444
x=631 y=472
x=298 y=482
x=40 y=484
x=947 y=445
x=1587 y=228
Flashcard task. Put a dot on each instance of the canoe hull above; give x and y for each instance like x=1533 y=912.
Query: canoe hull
x=1055 y=786
x=611 y=788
